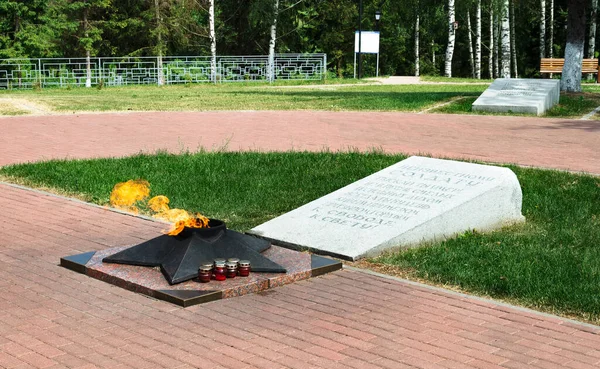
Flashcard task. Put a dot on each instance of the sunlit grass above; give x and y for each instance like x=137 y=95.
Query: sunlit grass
x=247 y=97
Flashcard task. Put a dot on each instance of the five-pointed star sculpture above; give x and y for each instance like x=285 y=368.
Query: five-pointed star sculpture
x=180 y=256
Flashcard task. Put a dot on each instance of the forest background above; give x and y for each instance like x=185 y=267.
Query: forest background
x=411 y=30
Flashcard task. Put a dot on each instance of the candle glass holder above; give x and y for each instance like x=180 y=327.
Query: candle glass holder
x=244 y=268
x=219 y=271
x=232 y=269
x=205 y=272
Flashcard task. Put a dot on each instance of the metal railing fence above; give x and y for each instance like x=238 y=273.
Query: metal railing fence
x=123 y=71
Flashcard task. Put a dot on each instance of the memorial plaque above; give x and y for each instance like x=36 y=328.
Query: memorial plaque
x=532 y=96
x=416 y=200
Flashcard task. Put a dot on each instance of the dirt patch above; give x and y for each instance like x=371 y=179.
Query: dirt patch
x=10 y=106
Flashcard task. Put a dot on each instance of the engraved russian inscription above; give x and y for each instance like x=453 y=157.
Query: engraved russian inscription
x=397 y=196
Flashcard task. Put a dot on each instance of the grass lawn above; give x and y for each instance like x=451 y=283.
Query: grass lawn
x=454 y=80
x=247 y=97
x=552 y=262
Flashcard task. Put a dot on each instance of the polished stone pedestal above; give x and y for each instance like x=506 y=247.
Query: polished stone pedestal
x=151 y=282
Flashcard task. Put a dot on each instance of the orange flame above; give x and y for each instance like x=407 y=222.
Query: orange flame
x=159 y=203
x=126 y=194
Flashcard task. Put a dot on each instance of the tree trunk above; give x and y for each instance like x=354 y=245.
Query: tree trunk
x=496 y=45
x=513 y=45
x=571 y=74
x=491 y=56
x=551 y=41
x=542 y=29
x=160 y=79
x=88 y=64
x=478 y=41
x=592 y=34
x=271 y=66
x=451 y=39
x=417 y=66
x=471 y=56
x=505 y=35
x=213 y=41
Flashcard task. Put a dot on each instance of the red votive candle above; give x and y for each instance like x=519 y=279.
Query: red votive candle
x=219 y=271
x=244 y=268
x=231 y=269
x=205 y=272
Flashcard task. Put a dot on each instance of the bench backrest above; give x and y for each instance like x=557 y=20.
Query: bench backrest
x=555 y=65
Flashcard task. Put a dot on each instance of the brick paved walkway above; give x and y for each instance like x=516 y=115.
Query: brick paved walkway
x=556 y=143
x=51 y=317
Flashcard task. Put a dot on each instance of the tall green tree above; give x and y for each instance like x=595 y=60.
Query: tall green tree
x=27 y=29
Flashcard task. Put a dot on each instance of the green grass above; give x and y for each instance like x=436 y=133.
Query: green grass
x=454 y=80
x=551 y=262
x=570 y=106
x=247 y=97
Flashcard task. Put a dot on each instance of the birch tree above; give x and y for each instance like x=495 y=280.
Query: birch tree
x=478 y=40
x=542 y=29
x=513 y=44
x=213 y=41
x=491 y=50
x=496 y=45
x=79 y=18
x=417 y=66
x=505 y=36
x=571 y=74
x=592 y=34
x=88 y=64
x=271 y=66
x=451 y=39
x=471 y=56
x=159 y=44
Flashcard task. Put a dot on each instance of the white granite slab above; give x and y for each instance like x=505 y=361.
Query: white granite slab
x=416 y=200
x=533 y=96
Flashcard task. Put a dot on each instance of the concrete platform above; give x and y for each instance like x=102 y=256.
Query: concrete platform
x=151 y=282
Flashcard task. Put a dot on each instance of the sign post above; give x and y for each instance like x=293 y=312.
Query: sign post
x=366 y=43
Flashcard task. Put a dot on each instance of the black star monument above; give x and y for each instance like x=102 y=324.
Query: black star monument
x=180 y=256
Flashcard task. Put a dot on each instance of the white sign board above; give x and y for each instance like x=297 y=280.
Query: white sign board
x=369 y=42
x=416 y=200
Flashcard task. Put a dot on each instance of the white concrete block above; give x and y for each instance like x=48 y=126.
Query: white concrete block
x=416 y=200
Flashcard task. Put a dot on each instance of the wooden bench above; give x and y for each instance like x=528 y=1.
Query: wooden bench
x=555 y=65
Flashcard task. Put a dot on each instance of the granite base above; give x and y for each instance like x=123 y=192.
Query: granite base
x=151 y=282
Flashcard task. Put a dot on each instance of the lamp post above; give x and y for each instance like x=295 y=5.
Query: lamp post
x=360 y=10
x=377 y=18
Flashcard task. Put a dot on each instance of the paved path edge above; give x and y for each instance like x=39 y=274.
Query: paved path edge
x=587 y=326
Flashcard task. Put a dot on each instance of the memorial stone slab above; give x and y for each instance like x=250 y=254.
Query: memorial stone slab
x=532 y=96
x=413 y=201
